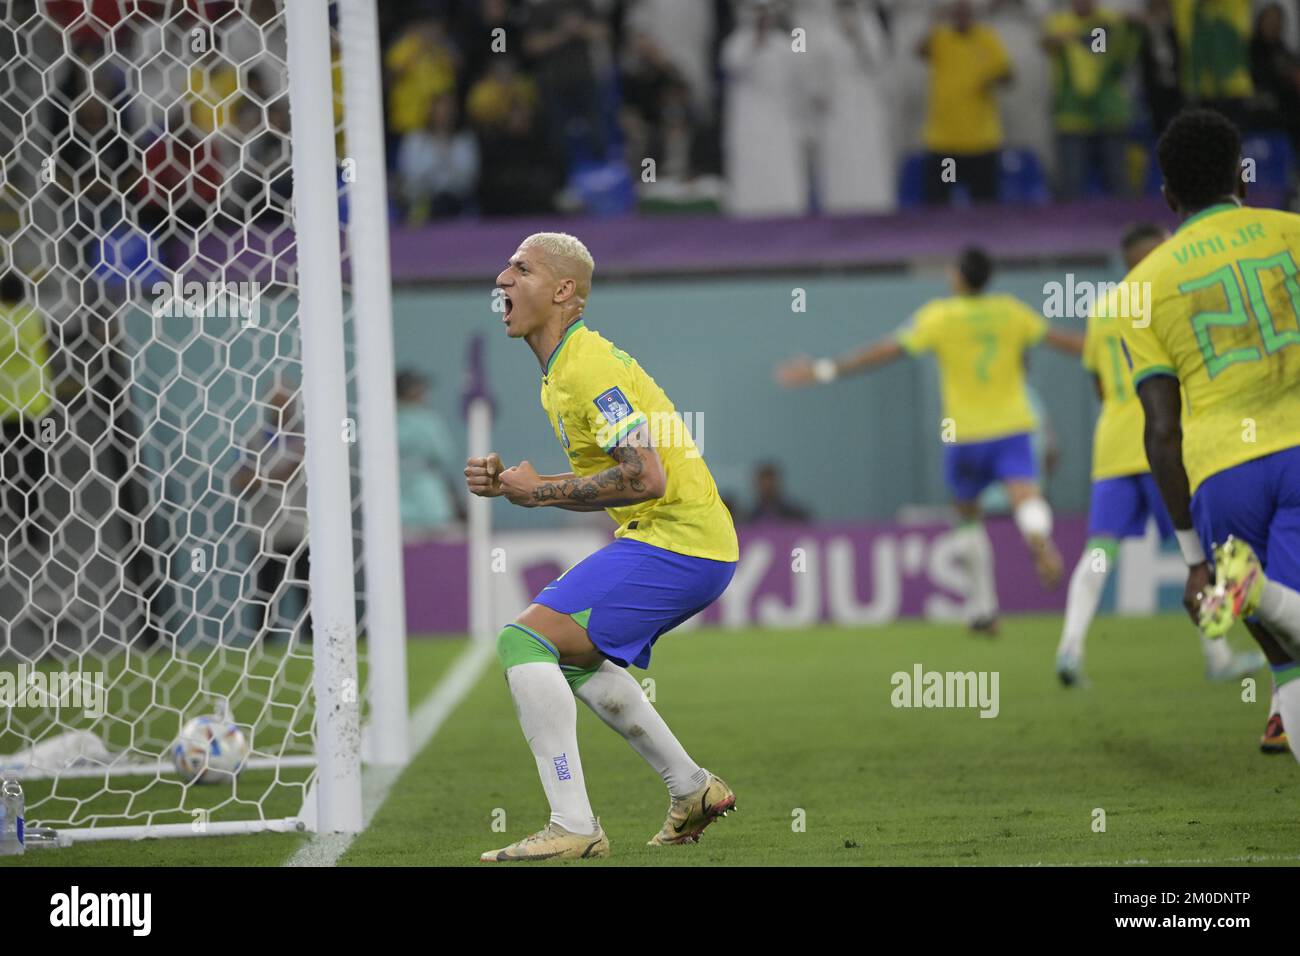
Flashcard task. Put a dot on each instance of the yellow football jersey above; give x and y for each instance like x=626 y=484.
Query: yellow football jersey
x=595 y=394
x=1117 y=446
x=1214 y=36
x=963 y=114
x=1225 y=321
x=979 y=342
x=25 y=389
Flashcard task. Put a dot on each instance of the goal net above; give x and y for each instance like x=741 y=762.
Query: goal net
x=156 y=472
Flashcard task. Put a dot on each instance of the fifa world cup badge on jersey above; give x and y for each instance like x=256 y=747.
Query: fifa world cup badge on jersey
x=613 y=405
x=564 y=436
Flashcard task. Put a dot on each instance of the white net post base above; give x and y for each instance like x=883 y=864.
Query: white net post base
x=155 y=541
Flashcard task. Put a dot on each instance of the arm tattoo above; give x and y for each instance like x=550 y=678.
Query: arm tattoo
x=626 y=474
x=629 y=462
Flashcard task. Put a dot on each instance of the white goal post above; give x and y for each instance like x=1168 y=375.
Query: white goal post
x=198 y=478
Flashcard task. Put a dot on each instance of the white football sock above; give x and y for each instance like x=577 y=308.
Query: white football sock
x=616 y=698
x=1273 y=706
x=1086 y=585
x=1288 y=700
x=1034 y=518
x=1279 y=608
x=975 y=547
x=548 y=715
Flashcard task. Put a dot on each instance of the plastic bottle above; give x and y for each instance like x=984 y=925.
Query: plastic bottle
x=11 y=818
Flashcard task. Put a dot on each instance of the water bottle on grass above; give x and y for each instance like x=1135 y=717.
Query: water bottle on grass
x=11 y=818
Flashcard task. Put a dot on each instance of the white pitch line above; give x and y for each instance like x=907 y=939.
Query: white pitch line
x=325 y=849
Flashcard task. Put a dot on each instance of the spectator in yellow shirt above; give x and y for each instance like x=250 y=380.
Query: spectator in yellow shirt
x=212 y=94
x=420 y=68
x=1214 y=38
x=1092 y=50
x=963 y=131
x=494 y=94
x=25 y=395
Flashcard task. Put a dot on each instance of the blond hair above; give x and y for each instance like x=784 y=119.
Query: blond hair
x=568 y=259
x=561 y=245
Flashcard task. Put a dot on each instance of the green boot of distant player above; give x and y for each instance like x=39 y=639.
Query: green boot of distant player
x=1238 y=583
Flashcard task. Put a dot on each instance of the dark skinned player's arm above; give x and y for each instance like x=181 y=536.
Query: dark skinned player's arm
x=1096 y=383
x=637 y=476
x=1163 y=436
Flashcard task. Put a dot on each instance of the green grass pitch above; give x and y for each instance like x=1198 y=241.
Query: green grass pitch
x=828 y=772
x=279 y=795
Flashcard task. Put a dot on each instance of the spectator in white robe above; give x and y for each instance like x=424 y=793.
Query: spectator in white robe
x=855 y=124
x=763 y=139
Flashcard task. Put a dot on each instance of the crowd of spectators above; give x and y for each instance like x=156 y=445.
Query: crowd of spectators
x=498 y=107
x=1115 y=78
x=760 y=107
x=747 y=107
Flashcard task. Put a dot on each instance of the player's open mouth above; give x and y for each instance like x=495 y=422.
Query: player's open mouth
x=509 y=303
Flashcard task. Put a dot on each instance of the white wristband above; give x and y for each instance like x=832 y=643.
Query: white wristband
x=1189 y=542
x=824 y=370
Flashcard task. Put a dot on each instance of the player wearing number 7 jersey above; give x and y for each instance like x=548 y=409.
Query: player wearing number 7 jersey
x=1224 y=331
x=980 y=341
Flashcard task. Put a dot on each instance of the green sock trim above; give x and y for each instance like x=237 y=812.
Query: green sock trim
x=1285 y=673
x=517 y=644
x=1108 y=546
x=577 y=676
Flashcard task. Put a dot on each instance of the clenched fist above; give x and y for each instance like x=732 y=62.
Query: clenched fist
x=517 y=484
x=483 y=476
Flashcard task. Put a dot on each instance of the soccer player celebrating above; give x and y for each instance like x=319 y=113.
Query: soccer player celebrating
x=980 y=341
x=1224 y=331
x=674 y=553
x=1124 y=496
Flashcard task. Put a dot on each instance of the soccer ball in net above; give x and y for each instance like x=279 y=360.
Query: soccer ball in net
x=210 y=750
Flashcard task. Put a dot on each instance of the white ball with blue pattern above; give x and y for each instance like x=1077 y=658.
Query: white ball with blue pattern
x=210 y=750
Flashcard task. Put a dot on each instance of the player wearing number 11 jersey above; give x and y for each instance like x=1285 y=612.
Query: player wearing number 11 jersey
x=1224 y=334
x=1124 y=495
x=980 y=341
